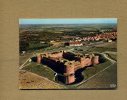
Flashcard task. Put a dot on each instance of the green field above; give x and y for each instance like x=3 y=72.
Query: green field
x=101 y=49
x=88 y=72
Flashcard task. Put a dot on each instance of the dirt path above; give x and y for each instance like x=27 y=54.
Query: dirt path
x=28 y=80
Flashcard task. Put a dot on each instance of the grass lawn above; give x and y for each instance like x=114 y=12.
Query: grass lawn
x=101 y=49
x=90 y=71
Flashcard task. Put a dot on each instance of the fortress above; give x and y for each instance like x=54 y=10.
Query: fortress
x=67 y=63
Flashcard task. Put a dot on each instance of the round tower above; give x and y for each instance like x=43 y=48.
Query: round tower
x=70 y=77
x=96 y=60
x=39 y=58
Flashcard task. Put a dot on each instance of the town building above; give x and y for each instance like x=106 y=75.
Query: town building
x=73 y=43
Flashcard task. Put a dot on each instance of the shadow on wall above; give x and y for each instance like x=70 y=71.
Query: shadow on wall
x=34 y=59
x=57 y=66
x=70 y=56
x=101 y=59
x=78 y=75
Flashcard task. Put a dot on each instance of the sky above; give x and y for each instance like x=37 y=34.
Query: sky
x=68 y=21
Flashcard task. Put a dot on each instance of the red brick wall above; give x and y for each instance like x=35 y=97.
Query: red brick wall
x=70 y=69
x=70 y=79
x=39 y=58
x=57 y=55
x=85 y=62
x=96 y=60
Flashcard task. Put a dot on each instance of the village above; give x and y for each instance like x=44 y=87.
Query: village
x=108 y=37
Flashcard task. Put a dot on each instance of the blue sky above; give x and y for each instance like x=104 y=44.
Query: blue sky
x=68 y=21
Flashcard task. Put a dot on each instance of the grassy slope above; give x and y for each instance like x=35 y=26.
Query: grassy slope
x=40 y=70
x=88 y=72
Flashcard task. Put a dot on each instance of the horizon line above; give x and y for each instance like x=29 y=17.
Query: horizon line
x=69 y=21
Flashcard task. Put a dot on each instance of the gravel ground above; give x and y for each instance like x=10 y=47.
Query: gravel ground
x=28 y=80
